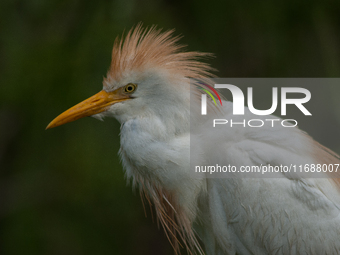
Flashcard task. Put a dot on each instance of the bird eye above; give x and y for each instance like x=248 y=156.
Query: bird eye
x=130 y=88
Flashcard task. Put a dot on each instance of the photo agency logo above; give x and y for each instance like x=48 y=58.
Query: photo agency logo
x=256 y=123
x=239 y=108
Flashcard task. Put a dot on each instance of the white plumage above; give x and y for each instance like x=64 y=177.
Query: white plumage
x=292 y=214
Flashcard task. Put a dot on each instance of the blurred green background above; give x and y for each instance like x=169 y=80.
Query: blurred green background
x=62 y=191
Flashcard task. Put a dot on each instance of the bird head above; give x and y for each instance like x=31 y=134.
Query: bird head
x=149 y=76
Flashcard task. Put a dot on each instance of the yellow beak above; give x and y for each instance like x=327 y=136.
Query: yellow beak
x=98 y=103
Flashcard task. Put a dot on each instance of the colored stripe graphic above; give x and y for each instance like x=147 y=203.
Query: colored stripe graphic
x=212 y=89
x=210 y=95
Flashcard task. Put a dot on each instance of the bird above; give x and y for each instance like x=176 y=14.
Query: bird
x=154 y=89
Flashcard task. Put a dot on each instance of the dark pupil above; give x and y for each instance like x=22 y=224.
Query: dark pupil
x=129 y=88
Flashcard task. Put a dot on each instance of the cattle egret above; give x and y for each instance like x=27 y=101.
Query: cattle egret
x=147 y=89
